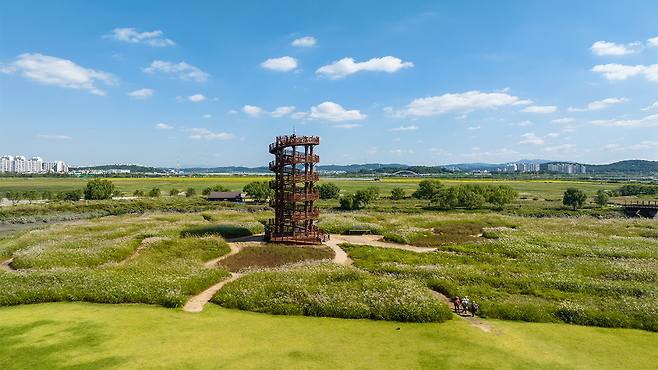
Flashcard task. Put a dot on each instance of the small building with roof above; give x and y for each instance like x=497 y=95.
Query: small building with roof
x=226 y=196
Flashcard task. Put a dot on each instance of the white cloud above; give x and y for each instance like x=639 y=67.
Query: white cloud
x=552 y=135
x=620 y=72
x=388 y=110
x=474 y=128
x=599 y=104
x=346 y=66
x=438 y=151
x=220 y=136
x=649 y=121
x=503 y=90
x=456 y=103
x=184 y=70
x=610 y=48
x=206 y=116
x=540 y=109
x=198 y=130
x=195 y=137
x=232 y=111
x=298 y=115
x=402 y=128
x=563 y=120
x=530 y=139
x=55 y=71
x=642 y=145
x=347 y=125
x=564 y=148
x=524 y=123
x=652 y=106
x=55 y=137
x=400 y=151
x=304 y=41
x=253 y=111
x=196 y=98
x=652 y=42
x=141 y=94
x=282 y=111
x=131 y=35
x=461 y=117
x=569 y=128
x=283 y=64
x=162 y=126
x=372 y=150
x=475 y=148
x=331 y=111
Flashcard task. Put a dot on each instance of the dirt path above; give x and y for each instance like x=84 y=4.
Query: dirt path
x=374 y=241
x=196 y=303
x=6 y=265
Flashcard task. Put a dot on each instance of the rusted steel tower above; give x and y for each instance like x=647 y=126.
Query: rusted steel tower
x=293 y=191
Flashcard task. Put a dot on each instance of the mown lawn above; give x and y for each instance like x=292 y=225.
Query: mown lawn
x=94 y=336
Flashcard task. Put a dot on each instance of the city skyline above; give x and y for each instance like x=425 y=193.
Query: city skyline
x=423 y=83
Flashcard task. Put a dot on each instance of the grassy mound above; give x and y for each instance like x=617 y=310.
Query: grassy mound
x=330 y=290
x=273 y=255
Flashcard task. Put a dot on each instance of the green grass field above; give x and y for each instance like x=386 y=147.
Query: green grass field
x=94 y=336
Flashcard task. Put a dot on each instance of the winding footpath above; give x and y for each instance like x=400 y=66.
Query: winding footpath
x=7 y=265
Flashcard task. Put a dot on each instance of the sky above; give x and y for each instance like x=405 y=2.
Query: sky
x=417 y=82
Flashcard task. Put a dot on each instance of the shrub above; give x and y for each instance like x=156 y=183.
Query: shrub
x=397 y=193
x=174 y=192
x=99 y=189
x=190 y=192
x=328 y=190
x=155 y=192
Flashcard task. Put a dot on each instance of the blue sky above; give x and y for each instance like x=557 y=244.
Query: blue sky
x=421 y=82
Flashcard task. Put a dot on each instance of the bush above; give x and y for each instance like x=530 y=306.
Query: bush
x=155 y=192
x=99 y=189
x=218 y=188
x=330 y=290
x=190 y=192
x=174 y=192
x=397 y=193
x=328 y=190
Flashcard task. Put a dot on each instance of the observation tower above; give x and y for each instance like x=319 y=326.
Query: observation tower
x=294 y=214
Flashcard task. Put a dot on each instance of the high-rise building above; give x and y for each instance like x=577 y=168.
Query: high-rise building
x=19 y=164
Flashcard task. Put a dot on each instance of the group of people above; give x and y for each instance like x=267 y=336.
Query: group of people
x=465 y=306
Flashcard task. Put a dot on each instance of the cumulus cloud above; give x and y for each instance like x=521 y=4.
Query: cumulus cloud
x=346 y=66
x=347 y=125
x=331 y=111
x=182 y=69
x=55 y=71
x=651 y=107
x=206 y=116
x=282 y=111
x=620 y=72
x=569 y=128
x=461 y=117
x=642 y=145
x=54 y=137
x=474 y=128
x=552 y=135
x=283 y=64
x=402 y=128
x=196 y=98
x=610 y=48
x=652 y=42
x=141 y=94
x=565 y=148
x=220 y=136
x=232 y=111
x=563 y=120
x=304 y=41
x=540 y=109
x=198 y=130
x=204 y=133
x=599 y=104
x=162 y=126
x=524 y=123
x=456 y=103
x=298 y=115
x=649 y=121
x=530 y=139
x=253 y=111
x=133 y=36
x=400 y=151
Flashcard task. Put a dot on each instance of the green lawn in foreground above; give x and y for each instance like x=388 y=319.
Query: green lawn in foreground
x=94 y=336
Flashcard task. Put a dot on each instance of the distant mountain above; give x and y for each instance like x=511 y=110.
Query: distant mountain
x=631 y=167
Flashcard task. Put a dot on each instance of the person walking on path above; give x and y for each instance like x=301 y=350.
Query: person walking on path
x=457 y=304
x=474 y=308
x=465 y=304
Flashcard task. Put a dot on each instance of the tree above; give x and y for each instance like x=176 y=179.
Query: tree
x=155 y=192
x=574 y=197
x=447 y=197
x=501 y=195
x=601 y=198
x=397 y=193
x=258 y=190
x=217 y=187
x=428 y=189
x=32 y=195
x=74 y=195
x=117 y=194
x=99 y=189
x=190 y=192
x=347 y=202
x=174 y=192
x=14 y=196
x=328 y=190
x=138 y=193
x=47 y=194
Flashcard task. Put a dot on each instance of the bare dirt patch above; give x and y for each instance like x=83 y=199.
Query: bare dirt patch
x=273 y=255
